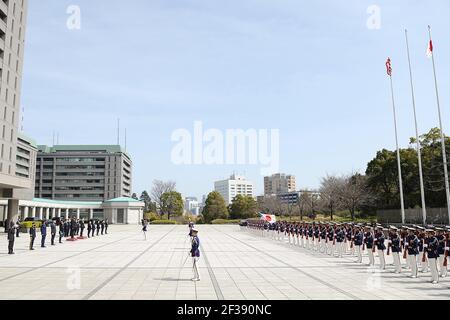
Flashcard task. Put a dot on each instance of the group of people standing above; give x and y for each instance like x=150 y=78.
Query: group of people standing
x=72 y=228
x=416 y=245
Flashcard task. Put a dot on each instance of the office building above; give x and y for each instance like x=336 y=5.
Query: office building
x=192 y=206
x=279 y=183
x=233 y=186
x=83 y=173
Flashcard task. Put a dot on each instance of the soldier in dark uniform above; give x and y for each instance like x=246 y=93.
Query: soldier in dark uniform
x=412 y=250
x=81 y=227
x=53 y=232
x=89 y=228
x=32 y=235
x=431 y=247
x=73 y=228
x=340 y=237
x=330 y=241
x=102 y=226
x=61 y=231
x=368 y=241
x=380 y=246
x=394 y=244
x=97 y=226
x=93 y=228
x=11 y=238
x=66 y=228
x=195 y=254
x=106 y=226
x=441 y=251
x=43 y=234
x=358 y=241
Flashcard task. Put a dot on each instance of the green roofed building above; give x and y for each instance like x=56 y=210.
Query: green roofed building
x=83 y=173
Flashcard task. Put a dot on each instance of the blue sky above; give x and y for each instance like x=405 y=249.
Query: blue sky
x=311 y=69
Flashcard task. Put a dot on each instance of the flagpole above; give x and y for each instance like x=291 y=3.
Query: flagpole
x=419 y=152
x=400 y=181
x=444 y=153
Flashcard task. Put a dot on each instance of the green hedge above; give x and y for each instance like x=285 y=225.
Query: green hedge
x=163 y=222
x=225 y=221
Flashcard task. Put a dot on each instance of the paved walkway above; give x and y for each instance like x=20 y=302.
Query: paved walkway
x=235 y=264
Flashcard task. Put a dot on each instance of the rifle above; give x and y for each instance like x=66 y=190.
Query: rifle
x=424 y=257
x=389 y=249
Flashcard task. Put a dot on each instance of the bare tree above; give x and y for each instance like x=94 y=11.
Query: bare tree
x=330 y=194
x=159 y=188
x=353 y=193
x=272 y=205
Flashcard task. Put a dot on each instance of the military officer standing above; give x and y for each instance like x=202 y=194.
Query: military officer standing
x=431 y=248
x=195 y=254
x=32 y=235
x=441 y=251
x=11 y=237
x=412 y=250
x=43 y=234
x=106 y=226
x=357 y=242
x=380 y=246
x=368 y=241
x=394 y=243
x=82 y=226
x=52 y=232
x=61 y=231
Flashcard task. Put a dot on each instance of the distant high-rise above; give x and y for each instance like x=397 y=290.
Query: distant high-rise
x=233 y=186
x=279 y=183
x=13 y=15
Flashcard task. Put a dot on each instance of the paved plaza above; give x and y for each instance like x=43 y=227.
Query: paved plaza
x=235 y=264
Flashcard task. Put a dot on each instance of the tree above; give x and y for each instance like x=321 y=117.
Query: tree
x=243 y=207
x=353 y=193
x=149 y=205
x=329 y=194
x=215 y=207
x=271 y=205
x=159 y=188
x=172 y=204
x=134 y=196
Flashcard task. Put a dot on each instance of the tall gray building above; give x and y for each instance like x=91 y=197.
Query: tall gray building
x=12 y=31
x=83 y=173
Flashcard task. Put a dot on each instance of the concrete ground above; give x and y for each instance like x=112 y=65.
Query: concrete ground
x=235 y=264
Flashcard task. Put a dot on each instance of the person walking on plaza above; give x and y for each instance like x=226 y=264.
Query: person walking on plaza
x=52 y=232
x=11 y=238
x=195 y=254
x=89 y=228
x=431 y=248
x=380 y=246
x=144 y=228
x=82 y=226
x=43 y=234
x=73 y=228
x=102 y=226
x=32 y=235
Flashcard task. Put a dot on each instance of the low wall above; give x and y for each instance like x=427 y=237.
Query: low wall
x=435 y=216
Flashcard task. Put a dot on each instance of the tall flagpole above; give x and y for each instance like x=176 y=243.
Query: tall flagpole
x=400 y=181
x=444 y=153
x=419 y=152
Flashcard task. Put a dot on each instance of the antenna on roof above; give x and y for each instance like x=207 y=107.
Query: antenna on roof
x=57 y=138
x=53 y=141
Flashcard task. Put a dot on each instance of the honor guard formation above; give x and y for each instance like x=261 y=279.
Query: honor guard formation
x=413 y=248
x=70 y=229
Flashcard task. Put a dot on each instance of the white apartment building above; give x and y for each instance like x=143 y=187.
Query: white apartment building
x=192 y=206
x=233 y=186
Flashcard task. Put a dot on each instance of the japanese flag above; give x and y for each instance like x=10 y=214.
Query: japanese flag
x=430 y=49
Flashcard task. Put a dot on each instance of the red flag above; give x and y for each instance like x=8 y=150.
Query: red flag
x=389 y=67
x=430 y=49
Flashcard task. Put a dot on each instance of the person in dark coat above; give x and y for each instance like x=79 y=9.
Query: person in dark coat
x=32 y=235
x=18 y=228
x=73 y=227
x=89 y=228
x=93 y=227
x=61 y=231
x=102 y=226
x=53 y=232
x=11 y=238
x=106 y=226
x=81 y=227
x=43 y=234
x=97 y=226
